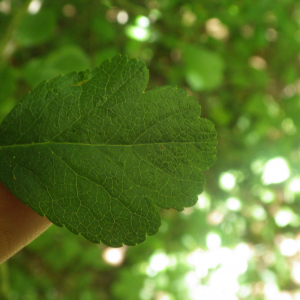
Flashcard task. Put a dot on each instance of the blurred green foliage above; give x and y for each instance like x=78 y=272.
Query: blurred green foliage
x=240 y=60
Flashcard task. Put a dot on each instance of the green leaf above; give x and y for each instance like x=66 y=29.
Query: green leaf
x=203 y=69
x=36 y=29
x=8 y=81
x=95 y=153
x=61 y=61
x=107 y=53
x=67 y=59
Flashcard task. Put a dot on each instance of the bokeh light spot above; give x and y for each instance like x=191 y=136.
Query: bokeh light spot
x=267 y=196
x=69 y=10
x=271 y=291
x=276 y=170
x=5 y=6
x=283 y=217
x=122 y=17
x=142 y=21
x=294 y=185
x=285 y=296
x=296 y=273
x=203 y=202
x=34 y=6
x=288 y=247
x=233 y=203
x=114 y=256
x=227 y=181
x=138 y=33
x=257 y=62
x=158 y=262
x=216 y=29
x=213 y=241
x=259 y=213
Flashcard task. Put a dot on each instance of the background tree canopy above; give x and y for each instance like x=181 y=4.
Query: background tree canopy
x=240 y=60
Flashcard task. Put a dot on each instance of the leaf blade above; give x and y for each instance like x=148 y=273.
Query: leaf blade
x=94 y=158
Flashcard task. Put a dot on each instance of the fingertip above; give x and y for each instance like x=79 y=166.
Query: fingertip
x=19 y=224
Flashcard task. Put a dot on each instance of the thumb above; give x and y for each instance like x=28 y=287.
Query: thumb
x=19 y=224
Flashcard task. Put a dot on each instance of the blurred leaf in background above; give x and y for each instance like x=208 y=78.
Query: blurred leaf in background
x=240 y=60
x=35 y=29
x=203 y=69
x=61 y=61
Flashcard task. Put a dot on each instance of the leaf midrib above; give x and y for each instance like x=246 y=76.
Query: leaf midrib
x=99 y=145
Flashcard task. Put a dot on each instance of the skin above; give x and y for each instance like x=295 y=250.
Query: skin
x=19 y=224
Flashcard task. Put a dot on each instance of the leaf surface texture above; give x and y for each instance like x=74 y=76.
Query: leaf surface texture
x=95 y=153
